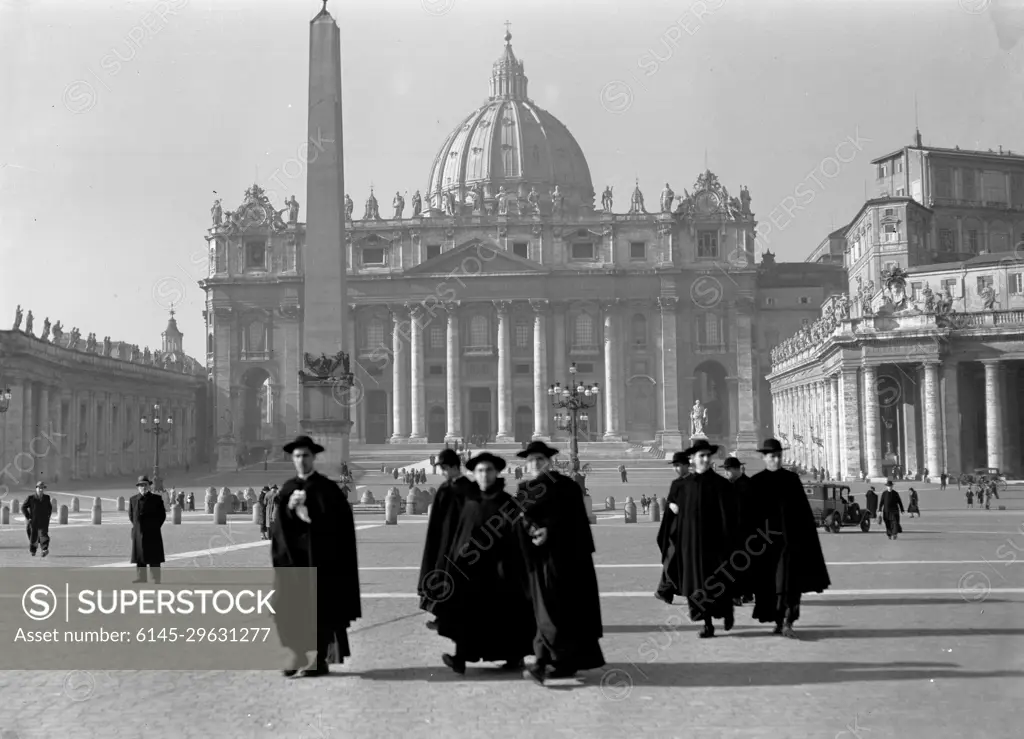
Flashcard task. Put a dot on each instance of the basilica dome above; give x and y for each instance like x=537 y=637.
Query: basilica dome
x=510 y=142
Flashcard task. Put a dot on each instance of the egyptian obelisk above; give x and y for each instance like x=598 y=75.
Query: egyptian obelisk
x=324 y=413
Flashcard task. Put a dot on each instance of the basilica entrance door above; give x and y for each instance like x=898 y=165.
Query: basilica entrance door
x=376 y=417
x=480 y=412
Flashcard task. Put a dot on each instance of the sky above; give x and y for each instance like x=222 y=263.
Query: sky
x=121 y=122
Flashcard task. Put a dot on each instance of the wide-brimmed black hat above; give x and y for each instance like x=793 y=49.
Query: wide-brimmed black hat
x=303 y=442
x=537 y=447
x=498 y=462
x=702 y=445
x=448 y=458
x=266 y=489
x=143 y=480
x=682 y=458
x=888 y=483
x=731 y=463
x=41 y=484
x=772 y=446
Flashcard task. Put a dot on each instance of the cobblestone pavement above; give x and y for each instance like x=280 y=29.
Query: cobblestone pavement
x=874 y=660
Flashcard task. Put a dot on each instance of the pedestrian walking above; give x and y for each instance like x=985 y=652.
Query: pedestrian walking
x=488 y=614
x=622 y=472
x=433 y=464
x=890 y=508
x=871 y=500
x=669 y=521
x=970 y=497
x=37 y=510
x=790 y=561
x=147 y=514
x=913 y=507
x=191 y=501
x=559 y=549
x=703 y=532
x=943 y=478
x=436 y=579
x=735 y=474
x=313 y=527
x=262 y=517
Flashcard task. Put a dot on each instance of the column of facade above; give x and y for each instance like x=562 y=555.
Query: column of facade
x=932 y=421
x=993 y=414
x=559 y=349
x=109 y=431
x=670 y=436
x=59 y=439
x=800 y=447
x=42 y=449
x=747 y=402
x=71 y=442
x=505 y=432
x=612 y=349
x=819 y=426
x=872 y=456
x=417 y=384
x=399 y=386
x=541 y=403
x=1009 y=410
x=850 y=429
x=27 y=427
x=453 y=388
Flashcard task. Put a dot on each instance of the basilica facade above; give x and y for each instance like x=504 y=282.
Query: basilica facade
x=497 y=281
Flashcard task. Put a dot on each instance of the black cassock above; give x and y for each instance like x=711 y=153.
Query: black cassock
x=562 y=578
x=327 y=543
x=487 y=612
x=147 y=513
x=697 y=543
x=748 y=514
x=871 y=499
x=783 y=546
x=891 y=506
x=437 y=577
x=37 y=511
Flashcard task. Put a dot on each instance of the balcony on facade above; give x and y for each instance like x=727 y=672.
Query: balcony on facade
x=264 y=356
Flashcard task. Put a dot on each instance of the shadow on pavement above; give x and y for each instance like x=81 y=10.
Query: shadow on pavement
x=692 y=626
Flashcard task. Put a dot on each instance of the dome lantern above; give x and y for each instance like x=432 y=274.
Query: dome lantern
x=508 y=80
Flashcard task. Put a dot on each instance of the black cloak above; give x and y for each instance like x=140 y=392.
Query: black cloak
x=891 y=506
x=697 y=544
x=435 y=568
x=562 y=578
x=871 y=500
x=748 y=515
x=487 y=612
x=327 y=543
x=147 y=513
x=784 y=548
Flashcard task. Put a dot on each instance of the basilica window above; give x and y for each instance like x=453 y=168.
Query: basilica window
x=637 y=251
x=707 y=245
x=254 y=339
x=479 y=331
x=985 y=281
x=374 y=333
x=709 y=331
x=949 y=286
x=946 y=240
x=1016 y=283
x=255 y=255
x=436 y=337
x=639 y=331
x=522 y=334
x=521 y=249
x=970 y=191
x=891 y=232
x=943 y=182
x=972 y=241
x=583 y=252
x=583 y=330
x=433 y=250
x=219 y=258
x=373 y=256
x=209 y=343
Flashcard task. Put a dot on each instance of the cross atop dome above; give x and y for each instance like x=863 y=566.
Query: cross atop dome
x=508 y=31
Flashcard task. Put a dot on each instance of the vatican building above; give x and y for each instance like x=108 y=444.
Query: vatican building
x=507 y=273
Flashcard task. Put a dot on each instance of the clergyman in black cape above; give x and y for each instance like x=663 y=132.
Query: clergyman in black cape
x=735 y=474
x=37 y=510
x=559 y=549
x=147 y=514
x=488 y=613
x=436 y=573
x=669 y=521
x=704 y=533
x=890 y=507
x=313 y=528
x=787 y=560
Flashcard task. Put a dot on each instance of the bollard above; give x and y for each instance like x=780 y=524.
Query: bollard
x=75 y=505
x=655 y=511
x=664 y=504
x=609 y=503
x=62 y=515
x=120 y=502
x=410 y=502
x=97 y=511
x=210 y=500
x=367 y=498
x=220 y=514
x=392 y=504
x=629 y=509
x=15 y=508
x=257 y=512
x=383 y=467
x=5 y=515
x=176 y=514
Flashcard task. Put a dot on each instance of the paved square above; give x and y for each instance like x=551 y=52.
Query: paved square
x=918 y=637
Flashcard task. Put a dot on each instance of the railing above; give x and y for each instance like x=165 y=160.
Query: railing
x=1009 y=317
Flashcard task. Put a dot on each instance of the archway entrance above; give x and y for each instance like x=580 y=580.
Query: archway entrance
x=437 y=425
x=641 y=413
x=376 y=417
x=480 y=412
x=710 y=388
x=257 y=406
x=524 y=423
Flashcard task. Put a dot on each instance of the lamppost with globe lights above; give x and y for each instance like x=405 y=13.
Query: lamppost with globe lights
x=576 y=398
x=5 y=399
x=158 y=426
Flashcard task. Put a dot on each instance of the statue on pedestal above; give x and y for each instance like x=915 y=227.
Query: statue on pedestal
x=417 y=204
x=698 y=420
x=667 y=197
x=606 y=199
x=17 y=318
x=557 y=202
x=502 y=201
x=28 y=323
x=534 y=200
x=398 y=203
x=217 y=213
x=58 y=333
x=90 y=343
x=349 y=207
x=929 y=298
x=478 y=198
x=107 y=346
x=293 y=209
x=45 y=336
x=987 y=295
x=450 y=207
x=744 y=200
x=636 y=202
x=372 y=210
x=74 y=338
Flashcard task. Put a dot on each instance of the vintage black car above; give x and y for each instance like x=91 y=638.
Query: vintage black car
x=832 y=508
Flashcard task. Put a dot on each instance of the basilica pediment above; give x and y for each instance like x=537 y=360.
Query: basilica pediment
x=476 y=257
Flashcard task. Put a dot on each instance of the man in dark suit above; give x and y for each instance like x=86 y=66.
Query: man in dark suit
x=37 y=510
x=147 y=513
x=890 y=507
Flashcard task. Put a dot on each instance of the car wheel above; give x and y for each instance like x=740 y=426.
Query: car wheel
x=837 y=524
x=865 y=524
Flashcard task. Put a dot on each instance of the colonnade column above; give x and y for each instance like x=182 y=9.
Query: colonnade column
x=871 y=440
x=540 y=370
x=453 y=389
x=993 y=415
x=850 y=430
x=357 y=411
x=670 y=435
x=834 y=443
x=399 y=385
x=417 y=386
x=932 y=425
x=612 y=349
x=505 y=432
x=27 y=424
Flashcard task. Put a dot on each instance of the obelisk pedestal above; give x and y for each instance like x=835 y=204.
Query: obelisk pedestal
x=326 y=382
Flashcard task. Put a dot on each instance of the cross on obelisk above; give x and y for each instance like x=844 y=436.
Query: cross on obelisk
x=508 y=26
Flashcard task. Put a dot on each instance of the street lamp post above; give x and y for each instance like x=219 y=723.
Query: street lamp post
x=576 y=398
x=154 y=424
x=5 y=399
